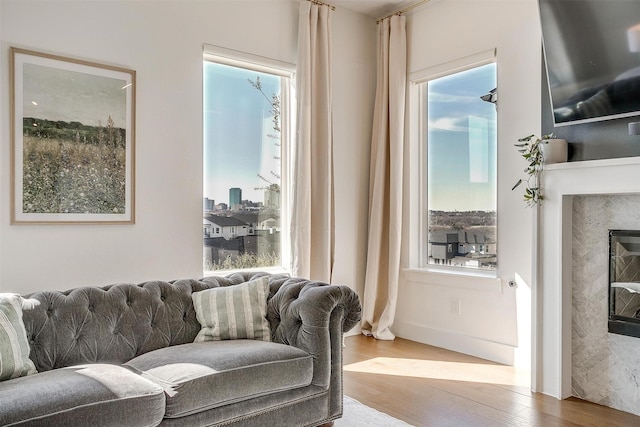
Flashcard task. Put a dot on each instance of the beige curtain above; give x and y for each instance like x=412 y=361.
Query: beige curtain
x=385 y=181
x=312 y=212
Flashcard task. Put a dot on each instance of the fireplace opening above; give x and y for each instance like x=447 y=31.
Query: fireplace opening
x=624 y=282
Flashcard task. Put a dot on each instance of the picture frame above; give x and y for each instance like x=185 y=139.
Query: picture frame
x=72 y=140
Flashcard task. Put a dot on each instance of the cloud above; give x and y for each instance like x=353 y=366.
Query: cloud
x=460 y=124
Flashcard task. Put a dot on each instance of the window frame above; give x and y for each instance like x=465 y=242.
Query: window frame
x=418 y=179
x=287 y=73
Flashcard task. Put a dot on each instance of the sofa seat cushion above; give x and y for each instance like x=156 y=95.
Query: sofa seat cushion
x=96 y=395
x=205 y=375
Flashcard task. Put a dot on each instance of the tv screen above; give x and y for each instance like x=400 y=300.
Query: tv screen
x=592 y=54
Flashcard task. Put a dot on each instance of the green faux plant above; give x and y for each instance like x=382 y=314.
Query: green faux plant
x=530 y=149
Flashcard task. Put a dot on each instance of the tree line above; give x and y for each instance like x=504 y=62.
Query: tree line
x=74 y=131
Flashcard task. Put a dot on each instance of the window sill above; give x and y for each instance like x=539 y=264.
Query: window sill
x=475 y=280
x=489 y=274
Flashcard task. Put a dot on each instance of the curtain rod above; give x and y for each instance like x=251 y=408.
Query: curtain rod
x=405 y=10
x=332 y=7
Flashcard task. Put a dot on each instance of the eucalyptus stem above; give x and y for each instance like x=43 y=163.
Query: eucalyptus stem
x=531 y=150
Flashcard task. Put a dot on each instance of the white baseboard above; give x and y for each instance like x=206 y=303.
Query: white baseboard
x=478 y=347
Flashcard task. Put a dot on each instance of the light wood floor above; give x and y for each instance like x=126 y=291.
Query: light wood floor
x=429 y=386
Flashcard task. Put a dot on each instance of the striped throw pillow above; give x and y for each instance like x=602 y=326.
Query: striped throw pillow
x=233 y=312
x=14 y=347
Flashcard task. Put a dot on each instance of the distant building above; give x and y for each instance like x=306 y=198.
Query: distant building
x=462 y=249
x=235 y=198
x=259 y=221
x=250 y=206
x=226 y=227
x=444 y=246
x=270 y=223
x=272 y=197
x=208 y=204
x=249 y=218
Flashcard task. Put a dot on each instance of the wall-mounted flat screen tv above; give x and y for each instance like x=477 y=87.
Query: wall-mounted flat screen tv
x=592 y=55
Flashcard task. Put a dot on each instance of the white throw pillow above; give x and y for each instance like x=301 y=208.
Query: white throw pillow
x=233 y=312
x=14 y=346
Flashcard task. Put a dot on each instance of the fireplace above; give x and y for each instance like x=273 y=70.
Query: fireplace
x=624 y=282
x=573 y=263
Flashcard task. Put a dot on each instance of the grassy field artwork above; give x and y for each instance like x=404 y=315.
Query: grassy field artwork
x=73 y=140
x=72 y=173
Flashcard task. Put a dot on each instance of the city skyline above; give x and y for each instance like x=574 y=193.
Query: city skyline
x=227 y=200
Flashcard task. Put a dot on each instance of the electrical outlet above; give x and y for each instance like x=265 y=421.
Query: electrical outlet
x=455 y=306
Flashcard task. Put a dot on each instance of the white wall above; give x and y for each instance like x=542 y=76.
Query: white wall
x=162 y=41
x=354 y=42
x=480 y=316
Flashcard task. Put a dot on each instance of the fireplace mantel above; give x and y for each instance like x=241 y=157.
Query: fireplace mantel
x=552 y=281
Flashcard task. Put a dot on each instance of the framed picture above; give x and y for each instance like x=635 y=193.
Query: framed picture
x=73 y=140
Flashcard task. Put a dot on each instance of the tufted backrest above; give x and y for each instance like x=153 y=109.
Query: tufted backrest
x=115 y=323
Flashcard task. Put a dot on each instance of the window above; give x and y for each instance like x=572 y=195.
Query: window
x=458 y=139
x=245 y=118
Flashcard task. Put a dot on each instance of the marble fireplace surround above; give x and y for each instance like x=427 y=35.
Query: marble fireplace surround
x=605 y=366
x=553 y=280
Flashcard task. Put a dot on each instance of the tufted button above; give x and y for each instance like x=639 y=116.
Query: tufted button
x=115 y=331
x=184 y=317
x=162 y=298
x=91 y=308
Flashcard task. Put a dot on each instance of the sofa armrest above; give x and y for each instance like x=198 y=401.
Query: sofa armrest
x=313 y=316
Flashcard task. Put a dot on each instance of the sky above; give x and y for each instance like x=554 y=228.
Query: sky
x=66 y=95
x=237 y=120
x=462 y=141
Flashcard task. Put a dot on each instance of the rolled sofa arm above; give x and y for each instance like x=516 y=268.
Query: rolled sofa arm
x=300 y=306
x=313 y=316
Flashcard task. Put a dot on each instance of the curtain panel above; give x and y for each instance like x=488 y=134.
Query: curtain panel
x=312 y=204
x=385 y=181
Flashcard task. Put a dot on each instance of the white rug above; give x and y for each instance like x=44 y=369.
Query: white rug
x=355 y=414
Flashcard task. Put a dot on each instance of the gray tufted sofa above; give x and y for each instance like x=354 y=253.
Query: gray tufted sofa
x=123 y=355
